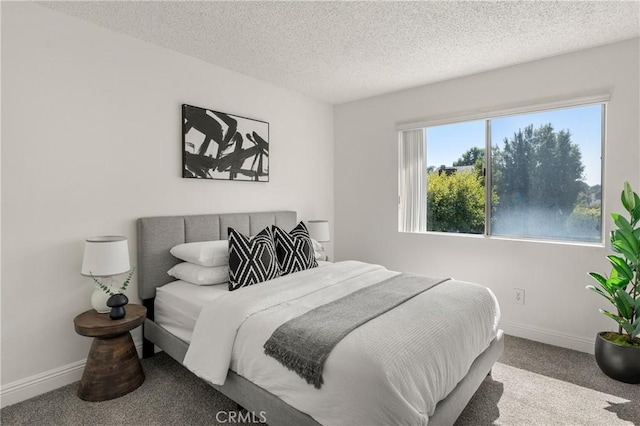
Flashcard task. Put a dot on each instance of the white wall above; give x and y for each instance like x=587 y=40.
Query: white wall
x=558 y=309
x=91 y=140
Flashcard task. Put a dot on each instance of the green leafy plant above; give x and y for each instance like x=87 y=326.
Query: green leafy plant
x=622 y=286
x=108 y=289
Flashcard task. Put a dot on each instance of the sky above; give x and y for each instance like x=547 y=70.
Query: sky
x=447 y=143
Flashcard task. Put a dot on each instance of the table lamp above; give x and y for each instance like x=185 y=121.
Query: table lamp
x=104 y=257
x=319 y=230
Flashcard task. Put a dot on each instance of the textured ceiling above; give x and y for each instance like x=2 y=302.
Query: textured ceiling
x=343 y=51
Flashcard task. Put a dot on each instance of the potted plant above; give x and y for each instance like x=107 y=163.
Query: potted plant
x=117 y=299
x=618 y=353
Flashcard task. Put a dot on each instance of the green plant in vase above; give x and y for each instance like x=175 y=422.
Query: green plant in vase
x=117 y=300
x=622 y=289
x=108 y=289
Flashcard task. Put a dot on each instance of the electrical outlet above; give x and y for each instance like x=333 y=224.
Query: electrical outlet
x=518 y=296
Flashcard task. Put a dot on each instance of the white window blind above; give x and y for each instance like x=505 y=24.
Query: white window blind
x=412 y=182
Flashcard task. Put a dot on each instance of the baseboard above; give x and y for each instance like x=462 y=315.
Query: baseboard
x=548 y=336
x=21 y=390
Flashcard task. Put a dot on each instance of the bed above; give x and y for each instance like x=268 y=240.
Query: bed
x=250 y=389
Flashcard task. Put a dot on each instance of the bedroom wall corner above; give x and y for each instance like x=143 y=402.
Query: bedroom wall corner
x=91 y=140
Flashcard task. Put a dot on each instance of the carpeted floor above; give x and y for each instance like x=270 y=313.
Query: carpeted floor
x=538 y=384
x=532 y=384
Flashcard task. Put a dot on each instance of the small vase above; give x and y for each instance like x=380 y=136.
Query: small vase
x=117 y=303
x=99 y=301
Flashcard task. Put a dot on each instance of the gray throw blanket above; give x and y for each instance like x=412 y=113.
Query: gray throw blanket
x=303 y=344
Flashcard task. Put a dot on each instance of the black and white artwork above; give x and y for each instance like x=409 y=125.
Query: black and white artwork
x=217 y=145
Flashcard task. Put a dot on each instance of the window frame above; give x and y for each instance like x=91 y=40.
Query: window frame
x=487 y=116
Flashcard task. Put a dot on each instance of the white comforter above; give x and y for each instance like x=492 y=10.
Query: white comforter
x=392 y=370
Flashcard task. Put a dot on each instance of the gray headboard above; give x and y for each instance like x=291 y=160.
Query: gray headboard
x=156 y=235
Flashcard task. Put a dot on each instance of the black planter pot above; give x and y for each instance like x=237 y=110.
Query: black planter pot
x=618 y=362
x=117 y=303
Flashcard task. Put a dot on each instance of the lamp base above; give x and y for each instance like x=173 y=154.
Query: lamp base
x=99 y=301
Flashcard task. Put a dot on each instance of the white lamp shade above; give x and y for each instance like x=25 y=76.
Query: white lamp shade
x=105 y=256
x=319 y=230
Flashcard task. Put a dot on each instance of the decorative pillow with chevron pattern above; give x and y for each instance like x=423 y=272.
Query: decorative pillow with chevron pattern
x=294 y=249
x=252 y=260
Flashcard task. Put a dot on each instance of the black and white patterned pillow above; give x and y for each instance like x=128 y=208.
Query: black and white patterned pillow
x=252 y=260
x=294 y=249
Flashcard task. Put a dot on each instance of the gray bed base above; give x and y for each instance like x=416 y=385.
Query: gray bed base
x=156 y=235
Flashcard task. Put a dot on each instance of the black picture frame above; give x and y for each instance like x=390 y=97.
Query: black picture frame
x=223 y=146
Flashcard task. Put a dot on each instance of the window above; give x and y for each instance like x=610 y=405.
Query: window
x=523 y=175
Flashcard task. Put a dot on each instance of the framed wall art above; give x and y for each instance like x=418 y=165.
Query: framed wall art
x=217 y=145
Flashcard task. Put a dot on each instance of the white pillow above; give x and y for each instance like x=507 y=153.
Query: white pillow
x=200 y=275
x=205 y=253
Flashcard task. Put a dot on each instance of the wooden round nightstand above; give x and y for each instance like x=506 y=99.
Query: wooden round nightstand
x=113 y=368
